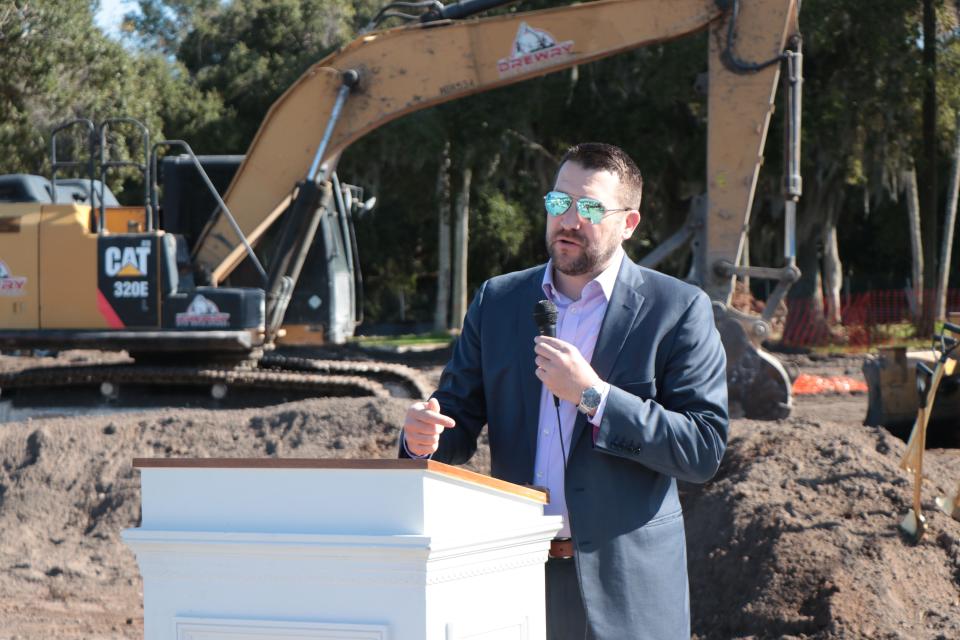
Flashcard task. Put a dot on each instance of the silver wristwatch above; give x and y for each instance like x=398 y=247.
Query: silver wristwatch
x=589 y=400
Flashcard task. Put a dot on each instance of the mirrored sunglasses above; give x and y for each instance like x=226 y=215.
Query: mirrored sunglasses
x=557 y=202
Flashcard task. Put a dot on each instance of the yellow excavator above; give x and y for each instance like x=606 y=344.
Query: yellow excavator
x=87 y=273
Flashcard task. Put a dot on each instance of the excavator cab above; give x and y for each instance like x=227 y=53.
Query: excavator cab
x=326 y=303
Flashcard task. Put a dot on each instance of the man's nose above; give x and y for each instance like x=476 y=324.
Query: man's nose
x=570 y=218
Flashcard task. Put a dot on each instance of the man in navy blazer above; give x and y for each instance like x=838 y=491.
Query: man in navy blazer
x=639 y=373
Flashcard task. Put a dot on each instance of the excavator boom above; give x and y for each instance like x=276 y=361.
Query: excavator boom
x=410 y=68
x=413 y=67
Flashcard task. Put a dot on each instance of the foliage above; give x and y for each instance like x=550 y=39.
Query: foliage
x=162 y=25
x=58 y=66
x=247 y=52
x=863 y=94
x=208 y=70
x=405 y=340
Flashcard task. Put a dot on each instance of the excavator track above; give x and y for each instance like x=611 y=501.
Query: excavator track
x=400 y=380
x=320 y=377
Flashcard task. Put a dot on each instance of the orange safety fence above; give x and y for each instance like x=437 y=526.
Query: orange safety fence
x=867 y=319
x=806 y=384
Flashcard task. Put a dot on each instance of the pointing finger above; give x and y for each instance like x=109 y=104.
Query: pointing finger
x=431 y=413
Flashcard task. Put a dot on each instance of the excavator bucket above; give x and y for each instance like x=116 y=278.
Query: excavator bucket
x=758 y=386
x=892 y=399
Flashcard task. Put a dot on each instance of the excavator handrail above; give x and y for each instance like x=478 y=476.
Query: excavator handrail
x=106 y=163
x=56 y=164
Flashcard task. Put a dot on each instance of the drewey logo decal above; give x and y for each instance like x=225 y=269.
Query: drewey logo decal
x=202 y=313
x=532 y=49
x=127 y=262
x=10 y=285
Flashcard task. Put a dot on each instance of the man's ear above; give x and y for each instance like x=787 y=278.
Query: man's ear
x=630 y=223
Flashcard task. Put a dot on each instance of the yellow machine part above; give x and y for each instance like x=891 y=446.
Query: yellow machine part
x=48 y=264
x=68 y=269
x=301 y=335
x=19 y=269
x=124 y=219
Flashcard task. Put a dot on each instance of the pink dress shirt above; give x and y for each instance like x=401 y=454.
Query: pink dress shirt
x=578 y=323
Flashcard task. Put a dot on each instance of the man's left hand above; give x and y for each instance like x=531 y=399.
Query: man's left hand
x=563 y=369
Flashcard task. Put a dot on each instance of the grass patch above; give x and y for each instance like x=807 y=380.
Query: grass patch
x=405 y=340
x=895 y=334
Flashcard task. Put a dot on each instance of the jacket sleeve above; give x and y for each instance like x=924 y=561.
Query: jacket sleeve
x=461 y=393
x=683 y=431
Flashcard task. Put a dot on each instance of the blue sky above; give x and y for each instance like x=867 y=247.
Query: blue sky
x=111 y=14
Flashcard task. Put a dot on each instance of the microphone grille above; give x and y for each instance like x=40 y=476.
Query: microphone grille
x=545 y=312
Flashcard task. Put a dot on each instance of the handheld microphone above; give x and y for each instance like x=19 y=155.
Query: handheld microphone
x=545 y=316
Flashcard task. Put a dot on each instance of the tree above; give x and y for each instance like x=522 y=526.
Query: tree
x=863 y=82
x=162 y=25
x=928 y=199
x=441 y=312
x=949 y=220
x=59 y=66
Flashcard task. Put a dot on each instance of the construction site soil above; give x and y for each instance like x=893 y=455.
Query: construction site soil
x=796 y=537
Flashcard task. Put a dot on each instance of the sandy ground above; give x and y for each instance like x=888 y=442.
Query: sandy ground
x=795 y=538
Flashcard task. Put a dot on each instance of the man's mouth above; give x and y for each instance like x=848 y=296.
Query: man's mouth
x=568 y=241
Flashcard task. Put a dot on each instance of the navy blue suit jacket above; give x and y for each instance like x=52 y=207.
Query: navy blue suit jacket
x=665 y=419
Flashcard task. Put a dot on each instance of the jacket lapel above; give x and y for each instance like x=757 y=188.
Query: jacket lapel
x=622 y=310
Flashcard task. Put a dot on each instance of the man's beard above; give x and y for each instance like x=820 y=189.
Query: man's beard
x=592 y=255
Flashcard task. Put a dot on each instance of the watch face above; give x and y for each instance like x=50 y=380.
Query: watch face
x=590 y=399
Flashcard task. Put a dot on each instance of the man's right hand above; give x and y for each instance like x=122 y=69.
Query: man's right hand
x=423 y=425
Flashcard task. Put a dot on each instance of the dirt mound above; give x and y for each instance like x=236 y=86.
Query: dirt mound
x=796 y=537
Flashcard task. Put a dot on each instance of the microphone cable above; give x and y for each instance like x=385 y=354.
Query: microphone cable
x=576 y=562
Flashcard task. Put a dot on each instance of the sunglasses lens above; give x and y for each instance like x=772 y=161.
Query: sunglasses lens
x=556 y=203
x=591 y=210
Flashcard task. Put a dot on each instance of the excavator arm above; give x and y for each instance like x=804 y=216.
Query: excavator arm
x=409 y=68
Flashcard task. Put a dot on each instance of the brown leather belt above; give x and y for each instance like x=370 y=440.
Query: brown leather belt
x=561 y=548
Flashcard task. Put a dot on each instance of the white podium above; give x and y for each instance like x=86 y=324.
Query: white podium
x=251 y=549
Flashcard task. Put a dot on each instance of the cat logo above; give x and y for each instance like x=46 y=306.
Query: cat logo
x=533 y=49
x=202 y=313
x=127 y=262
x=10 y=285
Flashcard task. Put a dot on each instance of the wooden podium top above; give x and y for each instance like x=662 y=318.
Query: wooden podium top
x=459 y=473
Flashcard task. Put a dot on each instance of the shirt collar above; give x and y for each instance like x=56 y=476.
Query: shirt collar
x=604 y=280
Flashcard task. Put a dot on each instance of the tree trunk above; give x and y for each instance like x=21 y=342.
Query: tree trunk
x=949 y=218
x=441 y=311
x=806 y=324
x=461 y=235
x=916 y=250
x=832 y=269
x=928 y=201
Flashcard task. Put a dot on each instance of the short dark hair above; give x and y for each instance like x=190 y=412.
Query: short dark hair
x=606 y=157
